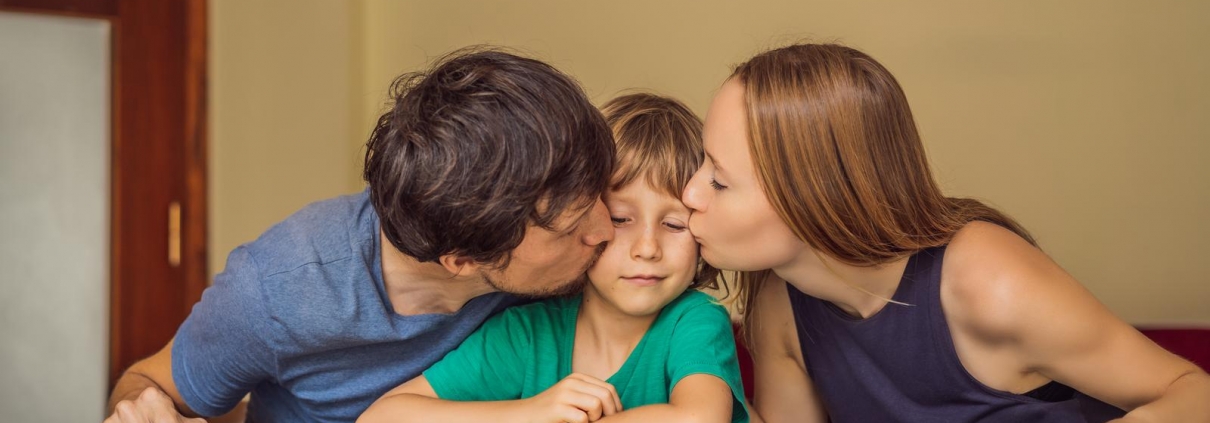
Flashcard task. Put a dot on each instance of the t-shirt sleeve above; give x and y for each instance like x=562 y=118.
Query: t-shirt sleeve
x=490 y=364
x=220 y=353
x=703 y=343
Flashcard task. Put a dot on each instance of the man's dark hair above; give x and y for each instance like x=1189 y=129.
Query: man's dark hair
x=478 y=147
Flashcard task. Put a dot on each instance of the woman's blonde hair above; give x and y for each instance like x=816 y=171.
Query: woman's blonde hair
x=838 y=155
x=660 y=140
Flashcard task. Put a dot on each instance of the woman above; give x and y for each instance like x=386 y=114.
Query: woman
x=884 y=300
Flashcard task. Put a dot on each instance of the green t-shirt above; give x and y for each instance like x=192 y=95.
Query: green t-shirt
x=526 y=349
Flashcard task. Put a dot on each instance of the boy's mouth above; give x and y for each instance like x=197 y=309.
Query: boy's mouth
x=643 y=280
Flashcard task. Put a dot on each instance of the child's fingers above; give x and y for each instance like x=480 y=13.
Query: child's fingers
x=617 y=399
x=604 y=396
x=573 y=415
x=604 y=392
x=591 y=405
x=613 y=396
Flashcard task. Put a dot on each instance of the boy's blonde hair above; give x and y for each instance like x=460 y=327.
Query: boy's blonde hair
x=659 y=140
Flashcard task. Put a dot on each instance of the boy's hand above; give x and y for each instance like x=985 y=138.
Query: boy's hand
x=577 y=399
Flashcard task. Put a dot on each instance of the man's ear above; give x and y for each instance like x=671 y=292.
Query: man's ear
x=459 y=265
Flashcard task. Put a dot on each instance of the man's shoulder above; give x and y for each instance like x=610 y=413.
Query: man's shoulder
x=322 y=232
x=311 y=274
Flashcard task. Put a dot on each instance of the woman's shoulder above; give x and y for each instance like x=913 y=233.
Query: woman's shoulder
x=982 y=251
x=990 y=275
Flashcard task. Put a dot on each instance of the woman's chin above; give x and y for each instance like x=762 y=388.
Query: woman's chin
x=718 y=262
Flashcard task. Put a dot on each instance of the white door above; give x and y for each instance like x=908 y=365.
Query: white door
x=54 y=217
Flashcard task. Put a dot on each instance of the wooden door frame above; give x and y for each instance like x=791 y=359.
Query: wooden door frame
x=158 y=157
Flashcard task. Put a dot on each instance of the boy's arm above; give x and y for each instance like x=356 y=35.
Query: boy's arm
x=415 y=401
x=577 y=398
x=699 y=398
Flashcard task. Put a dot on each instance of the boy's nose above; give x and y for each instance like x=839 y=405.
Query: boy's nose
x=646 y=247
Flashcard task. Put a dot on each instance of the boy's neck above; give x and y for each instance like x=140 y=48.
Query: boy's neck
x=605 y=336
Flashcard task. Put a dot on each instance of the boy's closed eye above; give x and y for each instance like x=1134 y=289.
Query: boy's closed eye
x=675 y=226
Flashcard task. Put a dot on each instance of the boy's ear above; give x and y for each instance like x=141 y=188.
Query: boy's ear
x=459 y=265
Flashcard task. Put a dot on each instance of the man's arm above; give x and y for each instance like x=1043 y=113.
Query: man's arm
x=219 y=354
x=146 y=392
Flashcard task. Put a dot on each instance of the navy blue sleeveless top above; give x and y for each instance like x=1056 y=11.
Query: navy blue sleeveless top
x=900 y=364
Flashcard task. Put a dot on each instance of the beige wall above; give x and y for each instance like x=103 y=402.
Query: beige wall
x=1081 y=118
x=282 y=112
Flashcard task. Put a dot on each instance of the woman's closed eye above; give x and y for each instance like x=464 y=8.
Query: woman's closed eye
x=717 y=186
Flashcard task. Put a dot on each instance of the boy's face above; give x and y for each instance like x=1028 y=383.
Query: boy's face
x=652 y=258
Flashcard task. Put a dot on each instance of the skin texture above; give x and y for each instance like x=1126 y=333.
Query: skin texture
x=1018 y=320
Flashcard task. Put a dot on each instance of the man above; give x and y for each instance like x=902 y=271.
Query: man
x=484 y=186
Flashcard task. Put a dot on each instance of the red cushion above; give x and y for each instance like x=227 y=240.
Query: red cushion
x=1192 y=344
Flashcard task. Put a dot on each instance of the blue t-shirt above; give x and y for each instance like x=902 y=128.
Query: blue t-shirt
x=300 y=318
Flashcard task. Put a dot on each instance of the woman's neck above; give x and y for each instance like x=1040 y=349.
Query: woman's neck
x=820 y=276
x=605 y=336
